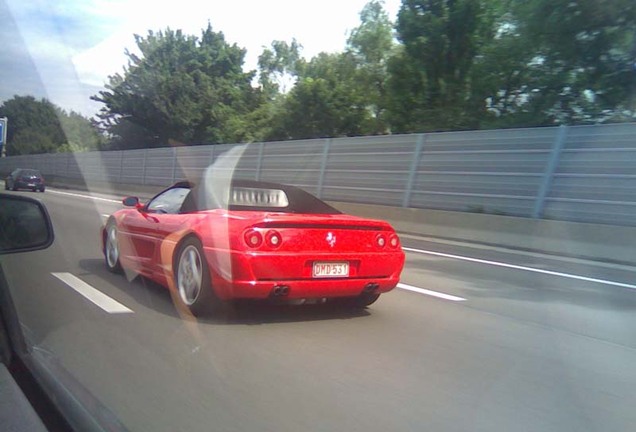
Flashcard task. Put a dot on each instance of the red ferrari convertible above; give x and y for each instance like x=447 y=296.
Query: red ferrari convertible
x=267 y=241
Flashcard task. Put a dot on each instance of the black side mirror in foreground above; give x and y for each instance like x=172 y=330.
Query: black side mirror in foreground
x=25 y=225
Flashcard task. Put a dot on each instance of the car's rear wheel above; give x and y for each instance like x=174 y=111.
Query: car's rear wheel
x=192 y=278
x=365 y=300
x=111 y=248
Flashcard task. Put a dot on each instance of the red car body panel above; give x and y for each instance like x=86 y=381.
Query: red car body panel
x=148 y=242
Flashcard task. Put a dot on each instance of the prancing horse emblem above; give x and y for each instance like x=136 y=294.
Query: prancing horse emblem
x=331 y=239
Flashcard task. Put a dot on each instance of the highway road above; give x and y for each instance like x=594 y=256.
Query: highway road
x=475 y=339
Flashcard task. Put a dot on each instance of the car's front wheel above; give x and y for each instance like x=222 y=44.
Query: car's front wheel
x=111 y=248
x=192 y=278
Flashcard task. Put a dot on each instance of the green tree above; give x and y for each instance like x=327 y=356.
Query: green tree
x=34 y=125
x=371 y=44
x=339 y=94
x=39 y=126
x=30 y=141
x=501 y=73
x=584 y=57
x=406 y=107
x=559 y=62
x=181 y=89
x=441 y=39
x=325 y=102
x=81 y=134
x=278 y=66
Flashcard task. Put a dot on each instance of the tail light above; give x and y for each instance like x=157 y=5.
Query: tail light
x=253 y=238
x=273 y=239
x=394 y=241
x=380 y=240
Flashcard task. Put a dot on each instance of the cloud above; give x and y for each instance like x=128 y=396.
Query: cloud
x=40 y=39
x=18 y=73
x=66 y=50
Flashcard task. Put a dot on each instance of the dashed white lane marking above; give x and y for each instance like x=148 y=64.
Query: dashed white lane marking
x=430 y=293
x=85 y=196
x=524 y=268
x=95 y=296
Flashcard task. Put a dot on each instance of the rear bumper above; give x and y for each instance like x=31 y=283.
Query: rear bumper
x=28 y=185
x=298 y=289
x=257 y=276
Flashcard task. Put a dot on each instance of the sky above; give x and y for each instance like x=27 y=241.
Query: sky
x=65 y=50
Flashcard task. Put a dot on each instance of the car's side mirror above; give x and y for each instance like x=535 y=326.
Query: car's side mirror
x=132 y=201
x=25 y=225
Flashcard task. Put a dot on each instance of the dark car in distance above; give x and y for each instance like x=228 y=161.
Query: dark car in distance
x=25 y=179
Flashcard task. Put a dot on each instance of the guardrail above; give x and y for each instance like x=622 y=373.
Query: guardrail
x=578 y=173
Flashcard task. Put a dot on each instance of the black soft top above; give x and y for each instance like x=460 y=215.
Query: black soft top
x=300 y=201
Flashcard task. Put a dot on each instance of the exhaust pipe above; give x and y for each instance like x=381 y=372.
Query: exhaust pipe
x=370 y=287
x=280 y=291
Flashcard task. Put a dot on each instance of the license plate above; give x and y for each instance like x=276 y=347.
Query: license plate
x=330 y=269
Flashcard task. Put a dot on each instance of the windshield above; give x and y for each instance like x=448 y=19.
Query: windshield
x=428 y=212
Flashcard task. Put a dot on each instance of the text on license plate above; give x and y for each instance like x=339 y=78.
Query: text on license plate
x=330 y=269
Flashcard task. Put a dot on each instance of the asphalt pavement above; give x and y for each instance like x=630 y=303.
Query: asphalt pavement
x=475 y=339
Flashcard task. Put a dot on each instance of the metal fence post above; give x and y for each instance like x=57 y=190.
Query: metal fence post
x=415 y=162
x=174 y=165
x=211 y=155
x=259 y=162
x=548 y=175
x=143 y=167
x=68 y=163
x=323 y=166
x=121 y=165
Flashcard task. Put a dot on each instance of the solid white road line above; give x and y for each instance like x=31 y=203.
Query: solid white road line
x=97 y=297
x=430 y=293
x=525 y=253
x=524 y=268
x=84 y=196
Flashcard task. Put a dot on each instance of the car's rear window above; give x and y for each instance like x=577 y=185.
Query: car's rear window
x=246 y=195
x=30 y=173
